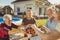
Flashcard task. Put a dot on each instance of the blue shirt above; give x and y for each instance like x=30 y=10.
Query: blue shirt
x=51 y=25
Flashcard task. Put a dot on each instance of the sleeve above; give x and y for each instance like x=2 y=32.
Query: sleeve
x=14 y=26
x=23 y=21
x=58 y=28
x=34 y=21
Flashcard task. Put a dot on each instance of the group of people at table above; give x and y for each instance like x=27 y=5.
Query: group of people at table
x=51 y=30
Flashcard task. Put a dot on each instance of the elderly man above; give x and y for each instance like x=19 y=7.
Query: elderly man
x=6 y=26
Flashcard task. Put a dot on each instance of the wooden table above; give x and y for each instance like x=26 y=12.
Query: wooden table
x=25 y=38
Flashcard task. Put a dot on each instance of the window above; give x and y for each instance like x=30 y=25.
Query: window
x=40 y=11
x=45 y=11
x=18 y=10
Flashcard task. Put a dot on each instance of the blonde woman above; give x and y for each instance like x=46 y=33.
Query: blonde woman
x=55 y=34
x=51 y=21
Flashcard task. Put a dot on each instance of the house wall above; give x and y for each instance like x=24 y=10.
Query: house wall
x=23 y=6
x=43 y=11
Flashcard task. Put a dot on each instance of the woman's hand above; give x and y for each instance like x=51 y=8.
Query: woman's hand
x=46 y=29
x=29 y=25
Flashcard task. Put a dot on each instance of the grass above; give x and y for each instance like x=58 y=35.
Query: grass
x=41 y=22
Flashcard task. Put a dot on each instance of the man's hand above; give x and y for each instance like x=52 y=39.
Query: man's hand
x=10 y=33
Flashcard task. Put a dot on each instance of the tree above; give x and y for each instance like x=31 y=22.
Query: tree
x=42 y=2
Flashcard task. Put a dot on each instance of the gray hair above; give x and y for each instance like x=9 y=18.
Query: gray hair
x=7 y=15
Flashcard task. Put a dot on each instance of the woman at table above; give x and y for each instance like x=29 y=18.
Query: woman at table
x=53 y=35
x=28 y=17
x=28 y=20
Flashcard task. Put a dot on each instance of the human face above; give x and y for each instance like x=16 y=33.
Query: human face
x=7 y=21
x=28 y=13
x=49 y=12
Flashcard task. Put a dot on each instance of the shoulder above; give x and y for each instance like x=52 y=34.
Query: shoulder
x=33 y=19
x=12 y=23
x=24 y=18
x=2 y=24
x=47 y=20
x=55 y=20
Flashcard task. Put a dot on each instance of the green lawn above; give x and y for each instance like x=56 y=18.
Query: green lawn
x=41 y=22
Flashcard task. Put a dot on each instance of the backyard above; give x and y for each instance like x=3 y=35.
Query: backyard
x=41 y=22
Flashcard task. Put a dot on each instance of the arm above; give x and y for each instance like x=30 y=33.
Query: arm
x=51 y=36
x=14 y=29
x=14 y=26
x=54 y=35
x=46 y=29
x=47 y=23
x=39 y=32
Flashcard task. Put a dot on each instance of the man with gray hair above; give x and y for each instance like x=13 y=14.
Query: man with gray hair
x=6 y=26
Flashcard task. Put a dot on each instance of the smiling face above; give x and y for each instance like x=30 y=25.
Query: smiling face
x=49 y=12
x=28 y=13
x=7 y=20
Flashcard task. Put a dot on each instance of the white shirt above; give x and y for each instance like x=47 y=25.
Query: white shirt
x=58 y=27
